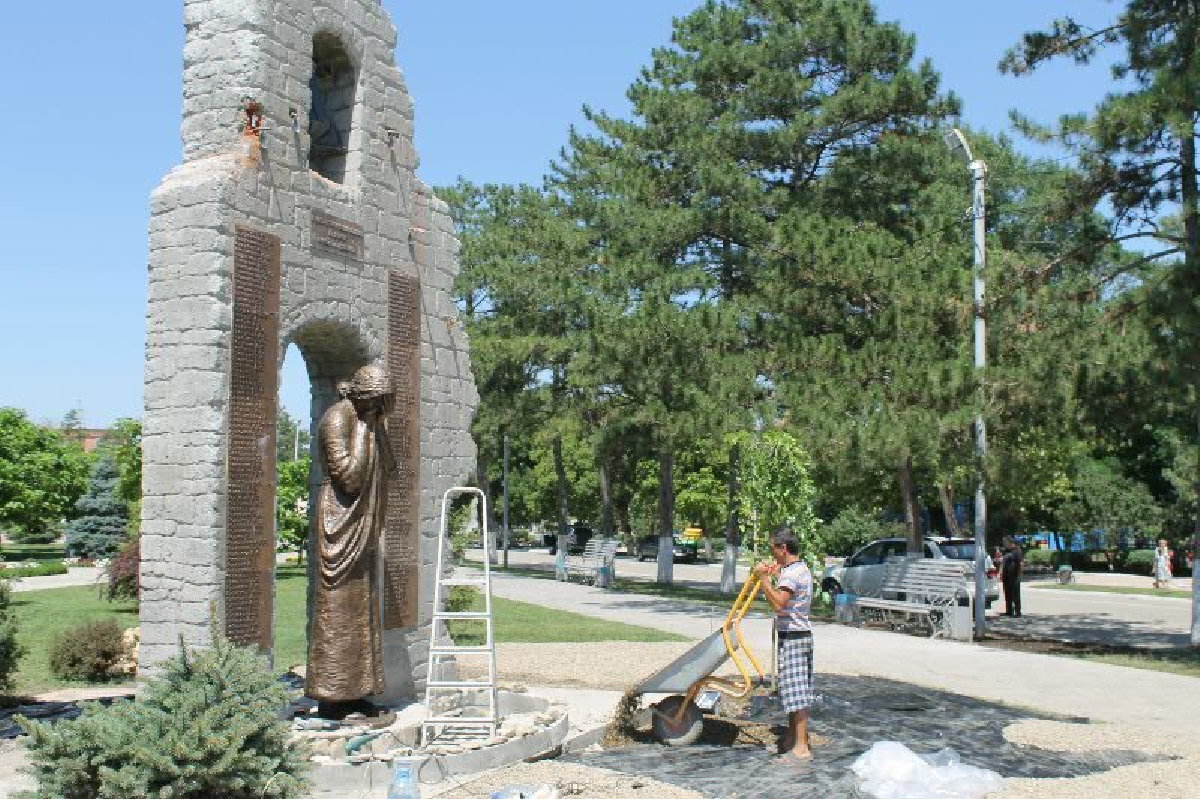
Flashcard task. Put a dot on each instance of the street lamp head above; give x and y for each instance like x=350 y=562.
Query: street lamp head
x=958 y=144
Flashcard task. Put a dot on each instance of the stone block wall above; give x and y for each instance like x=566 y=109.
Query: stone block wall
x=333 y=302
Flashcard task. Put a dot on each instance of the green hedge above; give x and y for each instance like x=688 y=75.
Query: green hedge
x=1039 y=557
x=1140 y=561
x=35 y=570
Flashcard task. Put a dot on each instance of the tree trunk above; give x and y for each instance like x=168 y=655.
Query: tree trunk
x=904 y=472
x=560 y=476
x=947 y=496
x=606 y=499
x=666 y=514
x=626 y=527
x=1191 y=265
x=485 y=484
x=733 y=536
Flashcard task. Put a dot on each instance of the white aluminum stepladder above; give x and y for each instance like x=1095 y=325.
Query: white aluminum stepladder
x=434 y=685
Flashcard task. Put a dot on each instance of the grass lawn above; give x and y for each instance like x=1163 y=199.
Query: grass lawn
x=514 y=622
x=44 y=614
x=1179 y=662
x=33 y=552
x=1087 y=587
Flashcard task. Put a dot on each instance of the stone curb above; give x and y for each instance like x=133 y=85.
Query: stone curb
x=345 y=780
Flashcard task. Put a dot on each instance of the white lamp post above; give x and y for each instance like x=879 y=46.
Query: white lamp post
x=958 y=144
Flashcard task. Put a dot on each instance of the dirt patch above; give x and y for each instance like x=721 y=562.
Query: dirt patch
x=571 y=780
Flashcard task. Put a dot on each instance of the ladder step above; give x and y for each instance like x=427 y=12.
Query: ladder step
x=451 y=649
x=462 y=582
x=459 y=684
x=462 y=615
x=466 y=722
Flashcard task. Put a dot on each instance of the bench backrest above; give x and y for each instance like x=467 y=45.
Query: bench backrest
x=926 y=576
x=592 y=548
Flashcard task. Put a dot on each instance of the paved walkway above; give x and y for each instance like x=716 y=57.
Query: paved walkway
x=1121 y=620
x=76 y=576
x=1060 y=685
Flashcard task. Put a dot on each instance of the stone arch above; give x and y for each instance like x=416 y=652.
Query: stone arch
x=332 y=350
x=333 y=104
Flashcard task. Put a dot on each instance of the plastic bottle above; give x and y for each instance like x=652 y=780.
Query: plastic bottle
x=406 y=782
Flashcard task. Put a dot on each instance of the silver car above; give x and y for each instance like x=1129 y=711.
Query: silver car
x=862 y=573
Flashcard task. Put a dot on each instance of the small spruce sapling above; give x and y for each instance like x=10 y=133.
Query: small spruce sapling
x=209 y=726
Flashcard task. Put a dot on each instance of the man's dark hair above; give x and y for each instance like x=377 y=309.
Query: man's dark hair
x=784 y=536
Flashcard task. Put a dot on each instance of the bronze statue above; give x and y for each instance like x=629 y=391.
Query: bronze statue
x=345 y=656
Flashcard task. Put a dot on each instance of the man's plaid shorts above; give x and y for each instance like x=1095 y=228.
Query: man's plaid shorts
x=795 y=665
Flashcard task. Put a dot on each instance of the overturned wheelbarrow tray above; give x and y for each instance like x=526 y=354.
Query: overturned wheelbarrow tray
x=678 y=720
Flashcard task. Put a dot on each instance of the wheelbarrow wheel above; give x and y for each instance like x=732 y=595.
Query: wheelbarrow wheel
x=677 y=734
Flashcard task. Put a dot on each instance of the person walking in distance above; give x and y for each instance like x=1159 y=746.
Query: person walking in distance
x=1162 y=565
x=1010 y=575
x=787 y=585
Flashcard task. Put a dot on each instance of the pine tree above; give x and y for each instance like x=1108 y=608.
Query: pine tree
x=1137 y=152
x=209 y=726
x=101 y=526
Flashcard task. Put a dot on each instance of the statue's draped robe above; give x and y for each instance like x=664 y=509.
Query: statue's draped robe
x=345 y=657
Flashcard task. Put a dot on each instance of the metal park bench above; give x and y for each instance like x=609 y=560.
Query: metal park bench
x=925 y=588
x=597 y=554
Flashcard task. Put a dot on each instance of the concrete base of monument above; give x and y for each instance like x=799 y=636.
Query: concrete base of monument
x=349 y=762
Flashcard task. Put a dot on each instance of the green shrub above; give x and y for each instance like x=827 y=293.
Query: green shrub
x=45 y=536
x=35 y=569
x=461 y=598
x=1140 y=561
x=208 y=727
x=10 y=649
x=87 y=652
x=1039 y=557
x=852 y=528
x=123 y=572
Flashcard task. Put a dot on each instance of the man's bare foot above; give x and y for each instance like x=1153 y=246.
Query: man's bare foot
x=795 y=758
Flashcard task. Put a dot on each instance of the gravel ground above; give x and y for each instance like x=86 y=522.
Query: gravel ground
x=593 y=665
x=572 y=780
x=1174 y=778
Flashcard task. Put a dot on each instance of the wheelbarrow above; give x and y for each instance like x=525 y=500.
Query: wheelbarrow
x=678 y=720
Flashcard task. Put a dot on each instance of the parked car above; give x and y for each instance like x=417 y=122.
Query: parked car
x=577 y=539
x=684 y=550
x=862 y=573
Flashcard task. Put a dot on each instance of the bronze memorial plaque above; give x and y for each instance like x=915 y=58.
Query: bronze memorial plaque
x=337 y=236
x=250 y=470
x=401 y=538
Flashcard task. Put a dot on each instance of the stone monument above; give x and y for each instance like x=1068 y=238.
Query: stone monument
x=296 y=217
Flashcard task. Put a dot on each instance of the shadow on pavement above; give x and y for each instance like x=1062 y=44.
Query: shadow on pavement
x=1097 y=628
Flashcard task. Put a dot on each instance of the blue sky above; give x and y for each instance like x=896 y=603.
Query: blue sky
x=92 y=124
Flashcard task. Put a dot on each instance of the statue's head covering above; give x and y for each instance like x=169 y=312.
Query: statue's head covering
x=370 y=381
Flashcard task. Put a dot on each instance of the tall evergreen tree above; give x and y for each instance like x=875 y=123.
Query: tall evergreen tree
x=1137 y=152
x=101 y=526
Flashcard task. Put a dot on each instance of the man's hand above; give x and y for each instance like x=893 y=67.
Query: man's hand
x=764 y=568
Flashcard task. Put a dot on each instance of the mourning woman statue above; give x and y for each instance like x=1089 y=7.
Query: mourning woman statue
x=345 y=657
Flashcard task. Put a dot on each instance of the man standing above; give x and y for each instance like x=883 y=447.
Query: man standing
x=1010 y=575
x=790 y=597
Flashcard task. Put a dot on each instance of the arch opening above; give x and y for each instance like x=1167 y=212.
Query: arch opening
x=334 y=86
x=317 y=357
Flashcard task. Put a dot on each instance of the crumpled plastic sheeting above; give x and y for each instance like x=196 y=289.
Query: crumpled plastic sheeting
x=890 y=771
